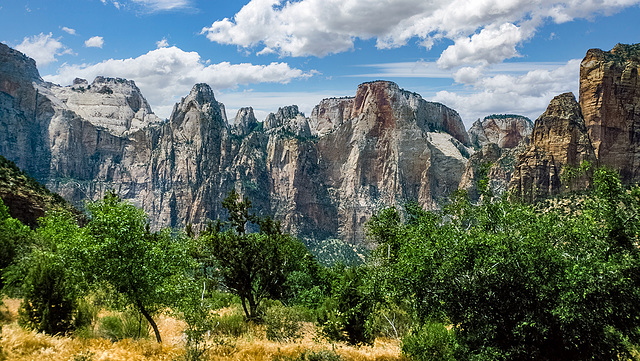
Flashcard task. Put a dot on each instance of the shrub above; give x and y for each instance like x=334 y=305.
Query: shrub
x=46 y=306
x=283 y=323
x=431 y=342
x=347 y=317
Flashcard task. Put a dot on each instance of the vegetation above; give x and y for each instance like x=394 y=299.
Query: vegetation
x=497 y=280
x=140 y=266
x=505 y=116
x=254 y=266
x=515 y=282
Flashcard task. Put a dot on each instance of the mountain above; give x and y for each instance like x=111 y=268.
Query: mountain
x=322 y=176
x=27 y=199
x=601 y=130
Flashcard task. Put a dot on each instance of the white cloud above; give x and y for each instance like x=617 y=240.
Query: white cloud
x=94 y=42
x=527 y=94
x=69 y=30
x=164 y=5
x=43 y=48
x=162 y=43
x=151 y=5
x=166 y=74
x=492 y=45
x=486 y=31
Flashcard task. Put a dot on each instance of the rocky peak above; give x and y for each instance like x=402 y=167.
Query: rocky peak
x=14 y=67
x=329 y=114
x=244 y=122
x=114 y=104
x=559 y=140
x=198 y=113
x=387 y=101
x=288 y=119
x=507 y=131
x=280 y=117
x=610 y=102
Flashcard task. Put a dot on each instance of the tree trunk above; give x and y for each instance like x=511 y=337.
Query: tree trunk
x=244 y=306
x=151 y=321
x=253 y=309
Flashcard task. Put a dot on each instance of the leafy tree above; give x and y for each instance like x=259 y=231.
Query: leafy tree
x=253 y=266
x=355 y=306
x=45 y=276
x=139 y=265
x=14 y=238
x=520 y=283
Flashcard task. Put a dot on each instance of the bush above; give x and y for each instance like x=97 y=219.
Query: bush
x=283 y=324
x=128 y=324
x=347 y=315
x=47 y=306
x=431 y=342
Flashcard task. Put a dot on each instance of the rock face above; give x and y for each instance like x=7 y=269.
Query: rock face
x=507 y=131
x=244 y=122
x=499 y=139
x=610 y=101
x=111 y=103
x=385 y=149
x=603 y=129
x=559 y=140
x=321 y=176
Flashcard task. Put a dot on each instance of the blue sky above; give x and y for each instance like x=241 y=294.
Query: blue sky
x=477 y=56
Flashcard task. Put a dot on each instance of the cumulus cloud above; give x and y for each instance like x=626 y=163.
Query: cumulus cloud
x=485 y=31
x=94 y=42
x=527 y=94
x=43 y=48
x=69 y=30
x=162 y=43
x=165 y=74
x=492 y=45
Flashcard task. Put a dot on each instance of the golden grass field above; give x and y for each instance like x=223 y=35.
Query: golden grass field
x=21 y=345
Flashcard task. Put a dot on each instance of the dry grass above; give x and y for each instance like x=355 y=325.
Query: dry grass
x=21 y=345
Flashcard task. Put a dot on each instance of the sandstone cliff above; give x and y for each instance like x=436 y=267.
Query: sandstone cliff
x=499 y=140
x=559 y=141
x=507 y=131
x=610 y=102
x=321 y=176
x=603 y=129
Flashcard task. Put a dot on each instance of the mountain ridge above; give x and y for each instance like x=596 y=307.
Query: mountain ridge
x=322 y=176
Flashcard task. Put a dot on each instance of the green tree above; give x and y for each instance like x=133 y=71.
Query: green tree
x=141 y=266
x=521 y=282
x=45 y=275
x=15 y=238
x=354 y=306
x=253 y=266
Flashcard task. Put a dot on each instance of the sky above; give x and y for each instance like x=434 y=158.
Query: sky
x=479 y=57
